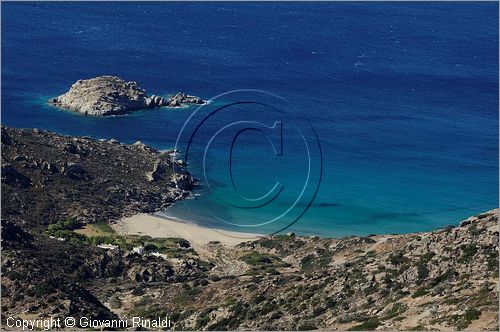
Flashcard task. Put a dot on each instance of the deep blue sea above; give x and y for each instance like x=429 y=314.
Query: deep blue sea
x=403 y=98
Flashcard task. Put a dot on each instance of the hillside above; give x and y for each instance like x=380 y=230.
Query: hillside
x=59 y=195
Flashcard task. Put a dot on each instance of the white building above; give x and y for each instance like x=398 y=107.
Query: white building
x=108 y=246
x=138 y=250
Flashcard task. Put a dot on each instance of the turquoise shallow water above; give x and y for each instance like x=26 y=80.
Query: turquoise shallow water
x=403 y=98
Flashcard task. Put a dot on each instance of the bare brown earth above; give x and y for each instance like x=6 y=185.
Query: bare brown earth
x=441 y=280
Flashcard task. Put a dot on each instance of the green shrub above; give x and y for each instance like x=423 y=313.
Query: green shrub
x=103 y=227
x=370 y=253
x=188 y=295
x=472 y=314
x=398 y=258
x=468 y=251
x=150 y=247
x=443 y=277
x=369 y=325
x=43 y=288
x=70 y=236
x=420 y=292
x=258 y=299
x=311 y=262
x=214 y=278
x=427 y=256
x=137 y=291
x=202 y=321
x=66 y=224
x=422 y=271
x=256 y=258
x=268 y=307
x=307 y=326
x=396 y=310
x=318 y=311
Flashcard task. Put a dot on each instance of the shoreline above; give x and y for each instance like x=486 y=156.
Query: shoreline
x=163 y=227
x=199 y=236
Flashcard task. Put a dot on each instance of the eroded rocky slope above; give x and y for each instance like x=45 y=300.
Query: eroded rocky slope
x=53 y=185
x=442 y=280
x=48 y=177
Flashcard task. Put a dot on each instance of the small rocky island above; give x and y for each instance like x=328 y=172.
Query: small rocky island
x=111 y=95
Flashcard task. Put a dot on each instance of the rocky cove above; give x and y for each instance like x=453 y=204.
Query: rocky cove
x=111 y=95
x=60 y=258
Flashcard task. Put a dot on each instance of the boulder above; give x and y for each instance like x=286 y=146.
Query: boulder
x=183 y=181
x=158 y=170
x=154 y=271
x=182 y=98
x=156 y=101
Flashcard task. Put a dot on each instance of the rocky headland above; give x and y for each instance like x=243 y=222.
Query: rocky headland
x=111 y=95
x=48 y=177
x=61 y=258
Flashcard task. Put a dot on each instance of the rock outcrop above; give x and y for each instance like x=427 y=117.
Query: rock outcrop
x=111 y=95
x=83 y=178
x=182 y=98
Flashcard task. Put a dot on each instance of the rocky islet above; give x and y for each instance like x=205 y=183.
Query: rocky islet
x=111 y=95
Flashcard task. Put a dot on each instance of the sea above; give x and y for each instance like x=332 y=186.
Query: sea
x=325 y=118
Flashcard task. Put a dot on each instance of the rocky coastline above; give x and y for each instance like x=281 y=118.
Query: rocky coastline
x=61 y=258
x=48 y=177
x=111 y=95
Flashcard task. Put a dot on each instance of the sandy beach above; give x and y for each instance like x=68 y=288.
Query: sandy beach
x=198 y=236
